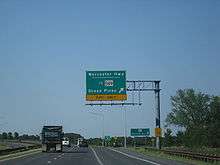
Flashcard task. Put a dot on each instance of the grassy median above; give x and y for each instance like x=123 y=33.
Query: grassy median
x=161 y=154
x=3 y=146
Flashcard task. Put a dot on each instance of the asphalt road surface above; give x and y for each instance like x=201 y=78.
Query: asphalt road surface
x=89 y=156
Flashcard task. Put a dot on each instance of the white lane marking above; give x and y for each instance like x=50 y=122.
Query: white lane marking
x=54 y=158
x=7 y=157
x=48 y=162
x=96 y=156
x=134 y=157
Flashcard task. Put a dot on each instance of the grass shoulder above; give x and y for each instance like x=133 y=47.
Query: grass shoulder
x=19 y=154
x=3 y=146
x=161 y=154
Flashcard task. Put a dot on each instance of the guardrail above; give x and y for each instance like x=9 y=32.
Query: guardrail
x=192 y=155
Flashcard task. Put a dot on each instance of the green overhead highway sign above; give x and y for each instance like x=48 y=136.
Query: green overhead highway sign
x=105 y=85
x=140 y=132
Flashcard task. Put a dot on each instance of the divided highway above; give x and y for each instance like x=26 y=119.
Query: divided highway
x=89 y=156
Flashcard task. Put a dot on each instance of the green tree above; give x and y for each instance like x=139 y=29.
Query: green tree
x=179 y=138
x=191 y=110
x=168 y=139
x=16 y=135
x=214 y=123
x=10 y=135
x=4 y=135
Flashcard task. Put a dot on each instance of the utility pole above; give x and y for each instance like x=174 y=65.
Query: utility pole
x=103 y=129
x=157 y=107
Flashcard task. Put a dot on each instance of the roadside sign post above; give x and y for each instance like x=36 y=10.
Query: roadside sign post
x=157 y=132
x=157 y=99
x=107 y=140
x=140 y=132
x=125 y=131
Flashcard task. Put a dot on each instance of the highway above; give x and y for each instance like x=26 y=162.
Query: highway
x=89 y=156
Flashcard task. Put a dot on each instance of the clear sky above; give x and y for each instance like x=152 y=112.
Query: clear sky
x=46 y=47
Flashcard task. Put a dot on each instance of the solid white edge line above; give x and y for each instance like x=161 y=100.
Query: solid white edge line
x=11 y=157
x=134 y=157
x=96 y=156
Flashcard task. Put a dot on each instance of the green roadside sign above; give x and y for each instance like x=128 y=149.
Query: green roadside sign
x=140 y=132
x=107 y=138
x=105 y=85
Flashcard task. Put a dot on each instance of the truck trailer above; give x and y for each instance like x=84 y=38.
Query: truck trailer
x=52 y=138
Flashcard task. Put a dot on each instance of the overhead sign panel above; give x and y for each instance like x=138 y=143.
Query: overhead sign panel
x=140 y=132
x=105 y=85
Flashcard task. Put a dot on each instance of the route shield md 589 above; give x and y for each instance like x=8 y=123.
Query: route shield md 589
x=105 y=85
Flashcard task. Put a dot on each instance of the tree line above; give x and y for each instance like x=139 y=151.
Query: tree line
x=195 y=114
x=16 y=136
x=198 y=116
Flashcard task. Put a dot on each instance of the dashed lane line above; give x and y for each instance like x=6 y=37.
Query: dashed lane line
x=96 y=156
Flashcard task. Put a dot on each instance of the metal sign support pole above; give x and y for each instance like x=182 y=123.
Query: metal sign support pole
x=157 y=100
x=125 y=131
x=103 y=129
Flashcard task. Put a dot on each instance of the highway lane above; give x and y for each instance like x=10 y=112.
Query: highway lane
x=89 y=156
x=70 y=156
x=121 y=156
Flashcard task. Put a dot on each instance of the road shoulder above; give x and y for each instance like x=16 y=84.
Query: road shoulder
x=155 y=160
x=19 y=154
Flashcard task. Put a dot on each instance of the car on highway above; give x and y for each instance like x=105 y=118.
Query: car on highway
x=66 y=142
x=82 y=142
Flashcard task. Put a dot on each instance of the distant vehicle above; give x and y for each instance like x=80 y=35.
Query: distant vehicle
x=79 y=140
x=52 y=138
x=82 y=142
x=66 y=142
x=116 y=144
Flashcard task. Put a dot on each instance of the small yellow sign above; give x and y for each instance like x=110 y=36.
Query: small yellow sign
x=158 y=132
x=106 y=97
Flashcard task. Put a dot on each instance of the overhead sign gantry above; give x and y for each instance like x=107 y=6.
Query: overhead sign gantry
x=111 y=87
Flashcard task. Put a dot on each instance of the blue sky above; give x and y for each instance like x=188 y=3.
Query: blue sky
x=46 y=47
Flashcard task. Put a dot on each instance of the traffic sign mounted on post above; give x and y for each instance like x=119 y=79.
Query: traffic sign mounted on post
x=105 y=85
x=158 y=132
x=140 y=132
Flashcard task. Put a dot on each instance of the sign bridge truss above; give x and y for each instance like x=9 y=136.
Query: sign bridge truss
x=134 y=89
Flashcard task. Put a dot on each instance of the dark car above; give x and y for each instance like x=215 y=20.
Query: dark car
x=83 y=143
